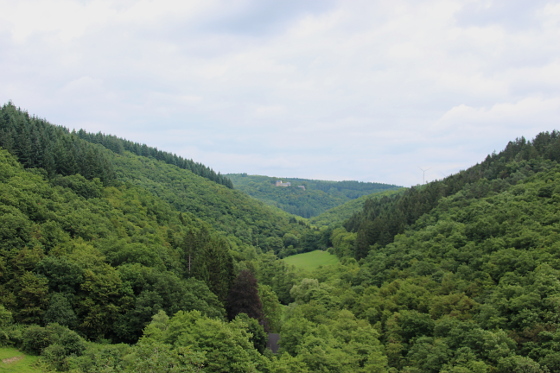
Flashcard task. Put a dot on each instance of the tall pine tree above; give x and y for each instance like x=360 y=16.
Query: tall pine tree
x=244 y=298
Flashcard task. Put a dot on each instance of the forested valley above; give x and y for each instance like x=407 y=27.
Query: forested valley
x=304 y=197
x=118 y=257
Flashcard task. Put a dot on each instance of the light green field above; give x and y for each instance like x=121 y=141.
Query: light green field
x=311 y=260
x=14 y=361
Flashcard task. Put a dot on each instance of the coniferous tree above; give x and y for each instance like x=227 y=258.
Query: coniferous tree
x=244 y=297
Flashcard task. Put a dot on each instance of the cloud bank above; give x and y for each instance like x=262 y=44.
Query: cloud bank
x=361 y=90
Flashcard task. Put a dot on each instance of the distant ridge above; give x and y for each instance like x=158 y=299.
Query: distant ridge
x=304 y=197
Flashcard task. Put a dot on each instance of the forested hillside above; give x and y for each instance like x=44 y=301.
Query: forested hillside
x=462 y=275
x=119 y=146
x=381 y=220
x=339 y=214
x=102 y=260
x=304 y=197
x=242 y=218
x=186 y=185
x=95 y=258
x=111 y=261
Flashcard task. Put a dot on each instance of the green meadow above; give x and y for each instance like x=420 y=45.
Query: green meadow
x=311 y=260
x=15 y=361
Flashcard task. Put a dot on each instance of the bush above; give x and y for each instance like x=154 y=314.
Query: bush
x=68 y=339
x=6 y=321
x=55 y=356
x=35 y=338
x=54 y=341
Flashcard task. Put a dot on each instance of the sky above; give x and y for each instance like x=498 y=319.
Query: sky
x=398 y=92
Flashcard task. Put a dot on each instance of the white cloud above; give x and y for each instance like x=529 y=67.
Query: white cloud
x=367 y=90
x=531 y=113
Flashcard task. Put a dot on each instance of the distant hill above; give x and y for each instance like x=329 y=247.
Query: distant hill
x=304 y=197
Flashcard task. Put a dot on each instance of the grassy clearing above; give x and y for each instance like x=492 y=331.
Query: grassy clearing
x=15 y=361
x=312 y=260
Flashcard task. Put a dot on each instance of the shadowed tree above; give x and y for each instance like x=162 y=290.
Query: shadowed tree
x=244 y=297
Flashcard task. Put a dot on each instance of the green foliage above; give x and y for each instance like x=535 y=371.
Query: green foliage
x=206 y=257
x=257 y=334
x=271 y=308
x=55 y=344
x=460 y=275
x=381 y=220
x=482 y=270
x=243 y=219
x=339 y=214
x=102 y=358
x=60 y=311
x=188 y=186
x=275 y=273
x=226 y=346
x=341 y=343
x=343 y=242
x=468 y=285
x=103 y=265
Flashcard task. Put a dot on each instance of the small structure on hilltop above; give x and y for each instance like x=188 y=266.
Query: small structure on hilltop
x=279 y=183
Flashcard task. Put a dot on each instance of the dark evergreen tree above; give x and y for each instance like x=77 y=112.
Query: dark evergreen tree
x=244 y=297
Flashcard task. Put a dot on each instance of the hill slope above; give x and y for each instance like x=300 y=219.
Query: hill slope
x=341 y=213
x=93 y=258
x=186 y=185
x=463 y=274
x=381 y=220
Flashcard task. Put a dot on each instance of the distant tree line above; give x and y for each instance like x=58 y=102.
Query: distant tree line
x=38 y=144
x=119 y=145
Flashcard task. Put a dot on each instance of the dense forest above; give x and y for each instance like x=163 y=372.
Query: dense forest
x=304 y=197
x=337 y=215
x=115 y=261
x=119 y=146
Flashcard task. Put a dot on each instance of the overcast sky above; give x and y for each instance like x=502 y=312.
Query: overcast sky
x=335 y=90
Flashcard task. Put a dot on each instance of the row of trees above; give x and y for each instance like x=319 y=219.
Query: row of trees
x=38 y=144
x=119 y=146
